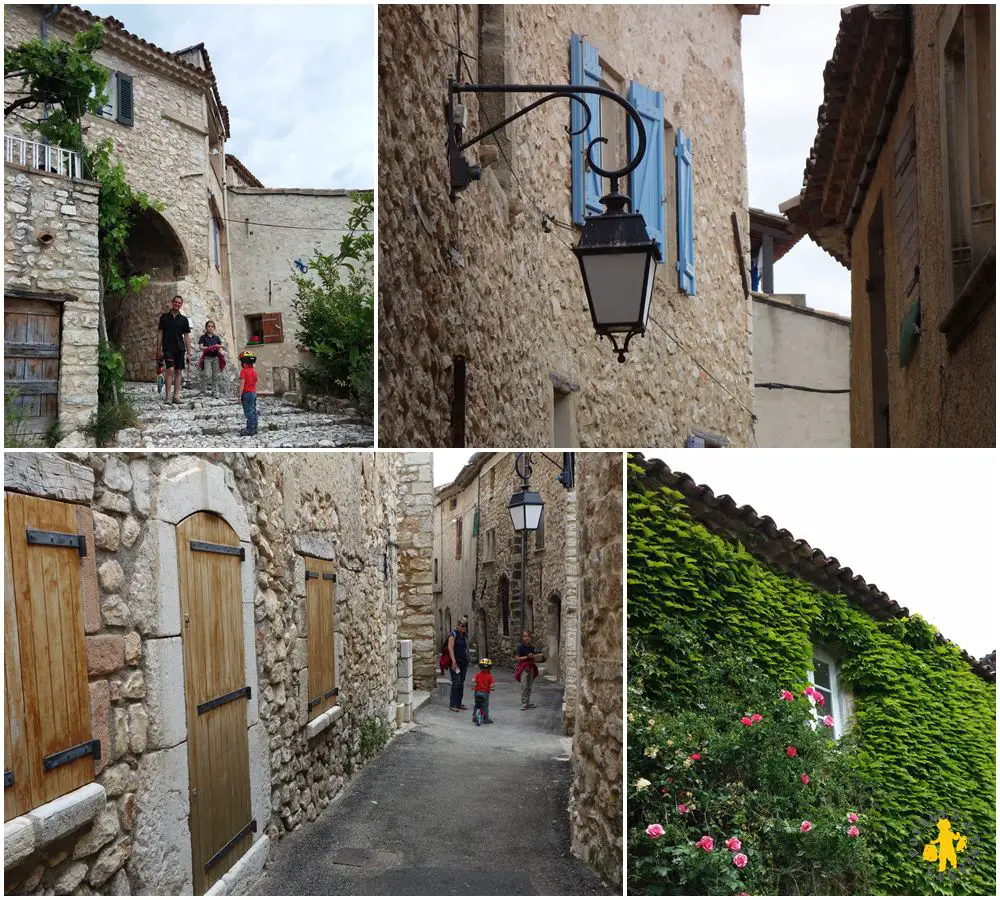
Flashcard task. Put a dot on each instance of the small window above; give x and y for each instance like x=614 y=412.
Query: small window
x=120 y=103
x=824 y=678
x=255 y=329
x=490 y=546
x=458 y=538
x=436 y=582
x=563 y=418
x=453 y=503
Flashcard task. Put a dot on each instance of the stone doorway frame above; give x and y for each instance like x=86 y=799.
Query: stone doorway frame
x=553 y=634
x=162 y=836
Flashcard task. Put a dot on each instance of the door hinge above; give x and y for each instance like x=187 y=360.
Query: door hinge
x=246 y=829
x=8 y=779
x=57 y=539
x=206 y=547
x=224 y=699
x=87 y=748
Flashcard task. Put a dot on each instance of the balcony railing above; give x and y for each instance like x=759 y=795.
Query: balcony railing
x=34 y=155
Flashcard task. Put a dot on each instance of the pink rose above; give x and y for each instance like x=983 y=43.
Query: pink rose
x=805 y=778
x=818 y=697
x=791 y=751
x=853 y=831
x=756 y=717
x=740 y=860
x=827 y=721
x=808 y=691
x=806 y=826
x=706 y=843
x=746 y=720
x=655 y=831
x=787 y=695
x=733 y=844
x=852 y=817
x=681 y=808
x=664 y=790
x=696 y=757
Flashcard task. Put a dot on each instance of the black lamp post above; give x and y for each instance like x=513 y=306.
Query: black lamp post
x=525 y=509
x=617 y=257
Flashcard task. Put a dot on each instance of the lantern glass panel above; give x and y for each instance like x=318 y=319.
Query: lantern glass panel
x=615 y=287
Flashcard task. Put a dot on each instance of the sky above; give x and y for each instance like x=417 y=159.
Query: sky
x=299 y=83
x=785 y=49
x=447 y=465
x=929 y=540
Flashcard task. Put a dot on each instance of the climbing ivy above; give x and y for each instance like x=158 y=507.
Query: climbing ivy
x=923 y=741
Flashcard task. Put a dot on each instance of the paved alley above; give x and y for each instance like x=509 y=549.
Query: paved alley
x=203 y=421
x=449 y=808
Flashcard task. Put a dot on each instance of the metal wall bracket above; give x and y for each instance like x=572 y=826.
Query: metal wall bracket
x=329 y=576
x=87 y=748
x=331 y=693
x=206 y=547
x=217 y=858
x=57 y=539
x=224 y=699
x=311 y=574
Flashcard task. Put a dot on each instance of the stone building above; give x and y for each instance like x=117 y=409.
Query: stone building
x=900 y=188
x=168 y=126
x=234 y=622
x=801 y=355
x=270 y=234
x=485 y=338
x=477 y=566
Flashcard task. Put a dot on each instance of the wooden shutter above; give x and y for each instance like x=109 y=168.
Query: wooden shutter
x=646 y=181
x=458 y=537
x=585 y=68
x=215 y=241
x=125 y=101
x=685 y=214
x=321 y=597
x=31 y=363
x=273 y=333
x=45 y=666
x=904 y=158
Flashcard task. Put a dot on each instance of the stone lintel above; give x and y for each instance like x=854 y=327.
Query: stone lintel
x=64 y=815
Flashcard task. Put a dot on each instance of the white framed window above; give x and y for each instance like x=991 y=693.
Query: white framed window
x=825 y=678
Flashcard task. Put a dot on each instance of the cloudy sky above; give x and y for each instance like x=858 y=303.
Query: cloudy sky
x=298 y=80
x=924 y=533
x=784 y=51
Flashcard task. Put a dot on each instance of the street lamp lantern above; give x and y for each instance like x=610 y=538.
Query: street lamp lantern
x=618 y=261
x=526 y=510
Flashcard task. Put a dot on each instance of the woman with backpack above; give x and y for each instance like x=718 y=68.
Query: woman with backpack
x=458 y=652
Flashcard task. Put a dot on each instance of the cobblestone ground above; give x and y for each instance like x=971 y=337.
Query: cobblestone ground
x=201 y=421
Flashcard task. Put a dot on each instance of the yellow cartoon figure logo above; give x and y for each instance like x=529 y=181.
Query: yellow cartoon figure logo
x=948 y=844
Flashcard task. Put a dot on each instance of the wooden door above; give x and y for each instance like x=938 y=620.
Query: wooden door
x=31 y=362
x=321 y=592
x=216 y=693
x=49 y=748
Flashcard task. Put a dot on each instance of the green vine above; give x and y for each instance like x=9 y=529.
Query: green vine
x=925 y=724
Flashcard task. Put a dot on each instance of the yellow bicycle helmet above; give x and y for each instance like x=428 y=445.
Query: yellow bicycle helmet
x=485 y=663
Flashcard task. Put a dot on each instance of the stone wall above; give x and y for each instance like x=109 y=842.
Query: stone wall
x=456 y=585
x=416 y=602
x=801 y=346
x=262 y=256
x=166 y=154
x=595 y=797
x=66 y=208
x=341 y=507
x=489 y=279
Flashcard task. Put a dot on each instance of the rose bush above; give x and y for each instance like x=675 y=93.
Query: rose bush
x=745 y=795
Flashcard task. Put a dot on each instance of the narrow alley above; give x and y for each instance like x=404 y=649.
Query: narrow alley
x=205 y=421
x=449 y=808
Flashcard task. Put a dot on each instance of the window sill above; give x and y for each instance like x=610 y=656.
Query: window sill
x=48 y=823
x=979 y=291
x=323 y=721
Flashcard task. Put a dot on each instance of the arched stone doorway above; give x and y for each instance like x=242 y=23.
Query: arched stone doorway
x=153 y=249
x=553 y=634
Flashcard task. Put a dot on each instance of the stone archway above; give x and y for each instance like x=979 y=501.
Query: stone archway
x=162 y=838
x=154 y=249
x=553 y=634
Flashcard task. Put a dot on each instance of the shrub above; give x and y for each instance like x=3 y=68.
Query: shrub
x=114 y=409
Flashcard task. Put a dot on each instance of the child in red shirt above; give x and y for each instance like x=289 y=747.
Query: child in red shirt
x=482 y=684
x=248 y=391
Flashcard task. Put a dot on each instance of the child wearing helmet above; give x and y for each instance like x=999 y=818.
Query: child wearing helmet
x=248 y=391
x=482 y=684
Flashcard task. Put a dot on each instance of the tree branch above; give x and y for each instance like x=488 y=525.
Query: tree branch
x=29 y=102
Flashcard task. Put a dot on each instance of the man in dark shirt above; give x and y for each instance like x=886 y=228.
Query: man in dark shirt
x=175 y=342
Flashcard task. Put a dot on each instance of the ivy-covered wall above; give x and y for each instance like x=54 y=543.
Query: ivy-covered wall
x=925 y=724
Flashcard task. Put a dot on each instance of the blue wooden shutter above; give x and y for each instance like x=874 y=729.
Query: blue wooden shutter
x=646 y=182
x=685 y=214
x=585 y=68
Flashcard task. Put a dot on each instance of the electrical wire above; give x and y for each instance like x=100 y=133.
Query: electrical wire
x=434 y=34
x=274 y=225
x=778 y=386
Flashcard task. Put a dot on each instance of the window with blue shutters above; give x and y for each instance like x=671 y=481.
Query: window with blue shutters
x=646 y=183
x=685 y=214
x=585 y=68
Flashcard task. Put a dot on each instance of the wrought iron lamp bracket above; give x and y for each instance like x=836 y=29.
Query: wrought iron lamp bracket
x=462 y=173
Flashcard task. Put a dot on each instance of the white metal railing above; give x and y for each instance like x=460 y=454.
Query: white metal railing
x=35 y=155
